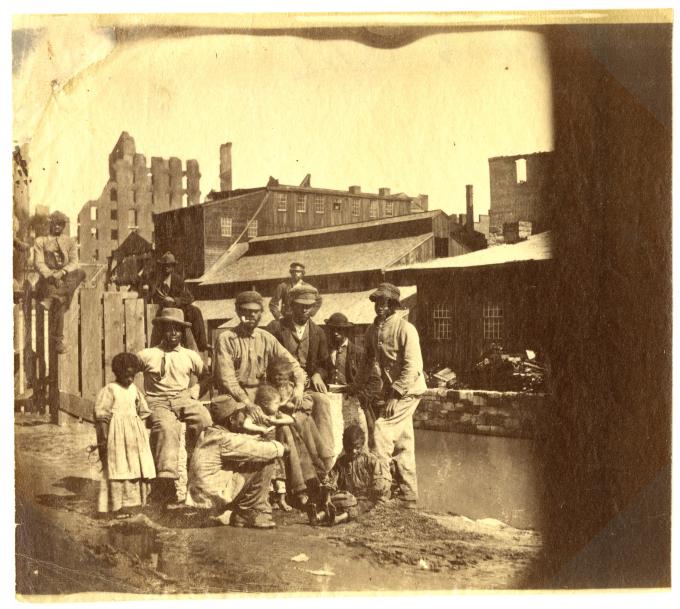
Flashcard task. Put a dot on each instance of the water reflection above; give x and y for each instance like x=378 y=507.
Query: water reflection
x=479 y=476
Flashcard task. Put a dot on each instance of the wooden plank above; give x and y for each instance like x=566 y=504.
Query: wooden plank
x=92 y=346
x=114 y=327
x=41 y=359
x=67 y=363
x=19 y=372
x=52 y=372
x=151 y=310
x=29 y=356
x=77 y=406
x=135 y=335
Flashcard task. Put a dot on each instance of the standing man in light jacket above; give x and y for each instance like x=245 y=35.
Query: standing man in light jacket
x=392 y=348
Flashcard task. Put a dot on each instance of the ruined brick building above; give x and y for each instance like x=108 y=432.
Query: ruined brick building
x=518 y=184
x=133 y=192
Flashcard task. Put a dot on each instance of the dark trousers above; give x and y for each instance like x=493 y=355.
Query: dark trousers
x=253 y=497
x=61 y=292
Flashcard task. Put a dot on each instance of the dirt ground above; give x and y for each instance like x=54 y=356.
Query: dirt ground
x=63 y=548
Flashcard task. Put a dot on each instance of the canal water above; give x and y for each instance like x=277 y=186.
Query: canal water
x=480 y=477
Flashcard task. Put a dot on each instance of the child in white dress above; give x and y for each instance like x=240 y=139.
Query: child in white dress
x=124 y=449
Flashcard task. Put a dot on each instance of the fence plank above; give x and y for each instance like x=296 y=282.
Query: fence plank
x=114 y=327
x=19 y=370
x=135 y=336
x=92 y=347
x=29 y=354
x=41 y=360
x=76 y=406
x=67 y=363
x=151 y=310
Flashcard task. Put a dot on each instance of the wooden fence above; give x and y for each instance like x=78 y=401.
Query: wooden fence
x=97 y=326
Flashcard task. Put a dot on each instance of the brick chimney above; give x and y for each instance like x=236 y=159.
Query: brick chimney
x=469 y=210
x=355 y=190
x=384 y=192
x=225 y=166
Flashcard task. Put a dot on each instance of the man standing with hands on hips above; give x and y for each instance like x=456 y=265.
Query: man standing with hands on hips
x=392 y=347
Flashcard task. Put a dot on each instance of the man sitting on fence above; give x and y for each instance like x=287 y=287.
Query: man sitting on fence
x=56 y=258
x=167 y=370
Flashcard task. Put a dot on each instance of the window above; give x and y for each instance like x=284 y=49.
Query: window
x=113 y=195
x=225 y=226
x=114 y=214
x=337 y=204
x=252 y=229
x=114 y=234
x=301 y=204
x=493 y=320
x=93 y=214
x=441 y=321
x=389 y=208
x=132 y=218
x=282 y=202
x=94 y=233
x=521 y=170
x=356 y=207
x=318 y=204
x=373 y=212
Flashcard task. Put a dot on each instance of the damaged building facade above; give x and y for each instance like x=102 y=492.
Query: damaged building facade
x=133 y=192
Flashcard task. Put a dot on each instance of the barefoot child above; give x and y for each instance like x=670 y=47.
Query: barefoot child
x=269 y=399
x=124 y=450
x=356 y=475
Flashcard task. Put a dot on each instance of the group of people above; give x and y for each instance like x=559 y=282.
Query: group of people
x=264 y=438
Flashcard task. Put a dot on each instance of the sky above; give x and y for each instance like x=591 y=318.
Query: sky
x=421 y=118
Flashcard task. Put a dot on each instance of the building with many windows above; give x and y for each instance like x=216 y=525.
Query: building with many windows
x=495 y=295
x=130 y=196
x=199 y=235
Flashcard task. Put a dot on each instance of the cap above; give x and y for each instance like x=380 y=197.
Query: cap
x=338 y=320
x=222 y=407
x=304 y=294
x=297 y=266
x=167 y=258
x=386 y=290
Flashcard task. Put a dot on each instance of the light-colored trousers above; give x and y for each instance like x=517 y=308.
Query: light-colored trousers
x=394 y=439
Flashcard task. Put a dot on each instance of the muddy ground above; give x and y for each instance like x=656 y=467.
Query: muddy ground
x=63 y=548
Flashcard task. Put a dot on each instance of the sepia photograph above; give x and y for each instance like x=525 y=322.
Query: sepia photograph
x=341 y=303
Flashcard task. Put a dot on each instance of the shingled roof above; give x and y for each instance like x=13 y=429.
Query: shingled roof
x=320 y=261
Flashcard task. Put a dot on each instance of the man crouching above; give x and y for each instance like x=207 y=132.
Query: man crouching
x=231 y=470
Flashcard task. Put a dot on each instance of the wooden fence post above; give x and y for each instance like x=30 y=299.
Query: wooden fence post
x=113 y=330
x=41 y=360
x=67 y=369
x=91 y=345
x=135 y=336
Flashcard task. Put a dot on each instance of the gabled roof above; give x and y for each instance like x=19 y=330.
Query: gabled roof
x=536 y=247
x=373 y=255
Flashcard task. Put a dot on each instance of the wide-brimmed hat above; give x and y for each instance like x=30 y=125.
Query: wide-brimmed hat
x=338 y=320
x=387 y=290
x=249 y=299
x=223 y=406
x=304 y=294
x=171 y=315
x=167 y=258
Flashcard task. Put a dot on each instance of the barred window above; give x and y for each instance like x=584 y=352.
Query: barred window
x=493 y=320
x=301 y=204
x=318 y=204
x=441 y=321
x=373 y=212
x=252 y=229
x=225 y=226
x=356 y=207
x=282 y=202
x=389 y=208
x=337 y=204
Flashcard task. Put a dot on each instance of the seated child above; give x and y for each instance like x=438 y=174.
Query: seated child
x=269 y=399
x=124 y=450
x=308 y=451
x=356 y=475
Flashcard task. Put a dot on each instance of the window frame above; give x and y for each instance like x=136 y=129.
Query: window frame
x=301 y=204
x=374 y=209
x=441 y=314
x=282 y=202
x=252 y=228
x=493 y=320
x=226 y=221
x=319 y=205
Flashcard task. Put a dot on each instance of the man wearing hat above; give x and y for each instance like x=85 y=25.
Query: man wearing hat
x=393 y=349
x=167 y=370
x=56 y=258
x=279 y=305
x=242 y=356
x=231 y=470
x=344 y=357
x=167 y=289
x=307 y=343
